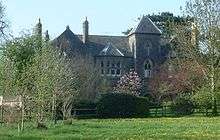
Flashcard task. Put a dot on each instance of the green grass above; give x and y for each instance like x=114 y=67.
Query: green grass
x=195 y=128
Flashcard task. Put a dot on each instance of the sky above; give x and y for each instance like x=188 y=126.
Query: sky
x=107 y=17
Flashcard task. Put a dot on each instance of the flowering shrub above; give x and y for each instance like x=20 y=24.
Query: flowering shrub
x=129 y=83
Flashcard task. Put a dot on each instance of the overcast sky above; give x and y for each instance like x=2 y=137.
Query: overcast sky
x=109 y=17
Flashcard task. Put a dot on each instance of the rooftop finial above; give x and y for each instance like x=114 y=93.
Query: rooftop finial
x=67 y=27
x=39 y=20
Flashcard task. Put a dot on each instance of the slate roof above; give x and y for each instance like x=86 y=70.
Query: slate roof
x=68 y=42
x=98 y=42
x=145 y=26
x=110 y=50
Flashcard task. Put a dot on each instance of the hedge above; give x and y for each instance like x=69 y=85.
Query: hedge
x=182 y=106
x=113 y=105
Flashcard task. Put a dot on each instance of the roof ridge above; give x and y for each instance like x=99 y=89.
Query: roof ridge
x=145 y=26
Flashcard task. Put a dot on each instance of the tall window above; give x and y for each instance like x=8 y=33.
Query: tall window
x=102 y=68
x=148 y=69
x=118 y=70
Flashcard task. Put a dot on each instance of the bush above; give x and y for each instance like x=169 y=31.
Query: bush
x=122 y=105
x=203 y=99
x=84 y=104
x=182 y=106
x=86 y=109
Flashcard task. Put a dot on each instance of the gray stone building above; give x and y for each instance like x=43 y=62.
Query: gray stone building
x=141 y=50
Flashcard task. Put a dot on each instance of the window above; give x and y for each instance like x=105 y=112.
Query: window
x=113 y=72
x=108 y=64
x=119 y=65
x=102 y=72
x=118 y=72
x=148 y=69
x=113 y=68
x=113 y=65
x=102 y=64
x=108 y=72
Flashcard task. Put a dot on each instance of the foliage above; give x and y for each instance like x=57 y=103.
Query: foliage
x=164 y=21
x=4 y=24
x=199 y=41
x=182 y=106
x=129 y=83
x=84 y=104
x=122 y=105
x=203 y=98
x=17 y=56
x=36 y=71
x=175 y=78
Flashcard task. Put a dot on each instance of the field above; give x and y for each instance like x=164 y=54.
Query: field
x=196 y=128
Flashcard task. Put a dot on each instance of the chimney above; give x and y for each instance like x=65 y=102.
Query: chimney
x=47 y=37
x=85 y=31
x=38 y=29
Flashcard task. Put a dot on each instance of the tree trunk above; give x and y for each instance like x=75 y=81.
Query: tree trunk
x=22 y=115
x=214 y=106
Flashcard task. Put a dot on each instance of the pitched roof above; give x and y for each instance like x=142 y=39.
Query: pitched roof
x=98 y=42
x=110 y=50
x=145 y=26
x=68 y=42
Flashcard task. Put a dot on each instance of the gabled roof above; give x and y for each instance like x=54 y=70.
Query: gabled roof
x=110 y=50
x=145 y=26
x=97 y=43
x=68 y=42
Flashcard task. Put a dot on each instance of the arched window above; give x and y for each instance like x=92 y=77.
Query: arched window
x=148 y=69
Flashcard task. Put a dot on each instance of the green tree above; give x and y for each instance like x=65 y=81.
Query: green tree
x=199 y=41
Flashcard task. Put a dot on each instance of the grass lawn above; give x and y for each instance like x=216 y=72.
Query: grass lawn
x=196 y=128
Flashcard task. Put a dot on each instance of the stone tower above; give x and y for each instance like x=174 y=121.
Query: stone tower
x=85 y=31
x=144 y=41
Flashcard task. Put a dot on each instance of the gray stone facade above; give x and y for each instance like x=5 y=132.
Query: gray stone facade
x=114 y=56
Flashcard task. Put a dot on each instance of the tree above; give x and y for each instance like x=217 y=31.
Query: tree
x=164 y=21
x=17 y=56
x=200 y=43
x=55 y=82
x=129 y=83
x=3 y=22
x=174 y=80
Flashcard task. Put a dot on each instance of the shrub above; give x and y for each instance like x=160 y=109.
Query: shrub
x=84 y=104
x=182 y=106
x=203 y=99
x=85 y=109
x=122 y=105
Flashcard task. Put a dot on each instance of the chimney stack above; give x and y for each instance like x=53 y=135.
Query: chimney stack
x=85 y=31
